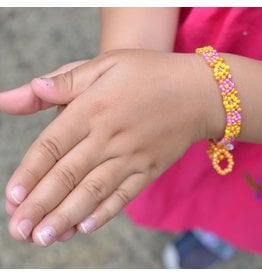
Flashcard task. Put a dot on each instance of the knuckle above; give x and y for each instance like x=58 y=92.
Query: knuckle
x=67 y=177
x=96 y=188
x=33 y=174
x=50 y=147
x=108 y=213
x=99 y=107
x=123 y=196
x=68 y=79
x=39 y=208
x=65 y=220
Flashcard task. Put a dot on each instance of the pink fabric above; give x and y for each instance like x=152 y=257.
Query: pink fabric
x=190 y=194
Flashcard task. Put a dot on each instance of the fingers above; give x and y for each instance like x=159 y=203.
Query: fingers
x=60 y=136
x=111 y=206
x=23 y=100
x=44 y=153
x=58 y=183
x=86 y=196
x=10 y=209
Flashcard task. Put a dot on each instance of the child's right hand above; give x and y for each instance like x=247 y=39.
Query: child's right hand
x=136 y=115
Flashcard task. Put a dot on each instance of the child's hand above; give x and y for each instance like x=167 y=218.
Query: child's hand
x=135 y=113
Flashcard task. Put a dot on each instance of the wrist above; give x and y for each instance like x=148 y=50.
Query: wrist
x=213 y=115
x=192 y=80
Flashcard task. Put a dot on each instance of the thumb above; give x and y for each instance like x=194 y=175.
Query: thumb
x=64 y=88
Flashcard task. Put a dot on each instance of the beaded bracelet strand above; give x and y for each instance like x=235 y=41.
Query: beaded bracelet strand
x=220 y=150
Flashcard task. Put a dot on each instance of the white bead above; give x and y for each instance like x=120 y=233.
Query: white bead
x=230 y=146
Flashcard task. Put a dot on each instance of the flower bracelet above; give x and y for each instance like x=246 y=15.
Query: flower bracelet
x=220 y=150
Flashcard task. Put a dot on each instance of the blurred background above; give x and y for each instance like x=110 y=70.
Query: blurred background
x=35 y=41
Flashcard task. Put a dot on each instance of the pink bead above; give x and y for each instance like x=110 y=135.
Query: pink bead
x=225 y=82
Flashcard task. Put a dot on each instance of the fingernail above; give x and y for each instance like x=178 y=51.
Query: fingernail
x=47 y=236
x=18 y=194
x=88 y=225
x=45 y=82
x=24 y=228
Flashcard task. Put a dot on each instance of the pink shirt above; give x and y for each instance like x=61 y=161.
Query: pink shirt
x=233 y=30
x=191 y=194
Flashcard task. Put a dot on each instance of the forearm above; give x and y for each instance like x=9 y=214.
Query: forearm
x=146 y=28
x=246 y=74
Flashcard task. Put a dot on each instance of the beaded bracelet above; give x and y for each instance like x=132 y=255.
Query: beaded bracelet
x=219 y=150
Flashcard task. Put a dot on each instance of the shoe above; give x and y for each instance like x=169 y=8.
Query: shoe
x=196 y=249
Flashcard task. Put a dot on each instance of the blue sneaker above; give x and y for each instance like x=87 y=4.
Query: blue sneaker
x=196 y=249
